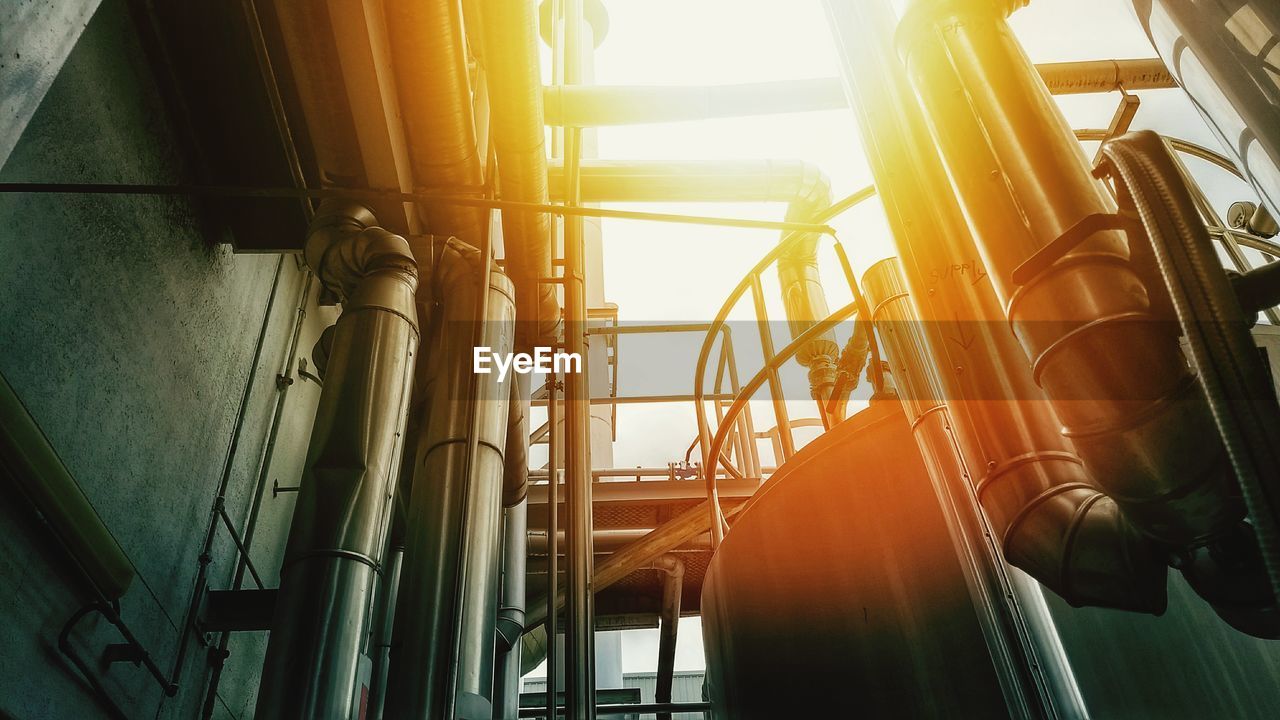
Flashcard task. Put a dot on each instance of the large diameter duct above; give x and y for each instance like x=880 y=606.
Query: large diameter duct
x=801 y=185
x=508 y=52
x=1049 y=520
x=340 y=520
x=430 y=58
x=1113 y=370
x=443 y=645
x=1224 y=55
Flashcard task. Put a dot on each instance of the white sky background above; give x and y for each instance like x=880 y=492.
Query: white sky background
x=674 y=273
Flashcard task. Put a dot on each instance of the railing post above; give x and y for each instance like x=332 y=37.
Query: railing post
x=775 y=382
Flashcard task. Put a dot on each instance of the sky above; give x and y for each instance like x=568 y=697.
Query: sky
x=675 y=273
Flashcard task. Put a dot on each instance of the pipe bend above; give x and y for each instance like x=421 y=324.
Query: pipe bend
x=345 y=245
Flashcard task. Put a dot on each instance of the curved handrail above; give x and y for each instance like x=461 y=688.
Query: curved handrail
x=721 y=318
x=744 y=396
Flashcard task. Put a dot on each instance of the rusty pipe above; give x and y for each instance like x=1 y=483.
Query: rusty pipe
x=1111 y=366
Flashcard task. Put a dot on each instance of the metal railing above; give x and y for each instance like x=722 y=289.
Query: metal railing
x=711 y=448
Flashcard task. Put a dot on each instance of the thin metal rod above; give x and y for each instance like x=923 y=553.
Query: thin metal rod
x=775 y=381
x=553 y=530
x=378 y=194
x=630 y=709
x=579 y=637
x=244 y=551
x=645 y=399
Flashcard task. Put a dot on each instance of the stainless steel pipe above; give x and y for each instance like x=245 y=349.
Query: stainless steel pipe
x=507 y=672
x=1112 y=366
x=442 y=652
x=340 y=520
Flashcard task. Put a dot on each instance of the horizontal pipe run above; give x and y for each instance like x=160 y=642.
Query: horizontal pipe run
x=604 y=105
x=628 y=709
x=380 y=194
x=616 y=472
x=644 y=399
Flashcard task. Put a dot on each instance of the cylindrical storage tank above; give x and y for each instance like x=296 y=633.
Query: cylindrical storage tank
x=837 y=592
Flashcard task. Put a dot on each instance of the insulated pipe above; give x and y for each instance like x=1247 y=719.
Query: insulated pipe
x=601 y=105
x=507 y=672
x=340 y=520
x=1049 y=520
x=1112 y=367
x=672 y=589
x=508 y=52
x=430 y=58
x=801 y=185
x=442 y=650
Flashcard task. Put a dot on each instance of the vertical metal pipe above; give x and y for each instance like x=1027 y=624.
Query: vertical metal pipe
x=553 y=551
x=384 y=617
x=442 y=652
x=1025 y=649
x=775 y=381
x=672 y=589
x=515 y=537
x=579 y=638
x=479 y=571
x=515 y=540
x=339 y=525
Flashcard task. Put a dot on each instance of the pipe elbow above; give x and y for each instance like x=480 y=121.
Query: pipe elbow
x=1077 y=542
x=345 y=245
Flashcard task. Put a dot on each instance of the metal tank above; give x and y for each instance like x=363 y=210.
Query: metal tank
x=838 y=593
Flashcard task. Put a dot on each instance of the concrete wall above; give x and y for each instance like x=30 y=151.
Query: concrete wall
x=129 y=332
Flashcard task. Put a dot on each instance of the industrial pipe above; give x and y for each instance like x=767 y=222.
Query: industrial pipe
x=432 y=79
x=507 y=672
x=384 y=616
x=340 y=520
x=669 y=621
x=601 y=105
x=515 y=539
x=507 y=49
x=804 y=188
x=1048 y=519
x=1111 y=366
x=442 y=652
